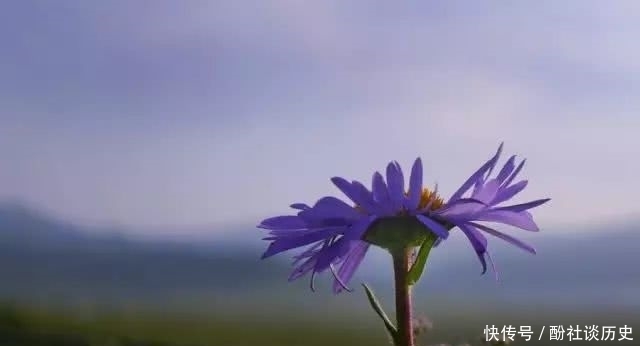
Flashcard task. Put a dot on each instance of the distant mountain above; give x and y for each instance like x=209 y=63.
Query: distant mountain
x=41 y=258
x=26 y=227
x=593 y=268
x=44 y=260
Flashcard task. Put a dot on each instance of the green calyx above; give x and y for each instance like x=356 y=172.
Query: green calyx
x=397 y=233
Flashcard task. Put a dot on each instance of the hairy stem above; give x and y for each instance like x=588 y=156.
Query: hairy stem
x=404 y=319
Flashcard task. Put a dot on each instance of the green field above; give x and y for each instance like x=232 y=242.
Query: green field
x=35 y=326
x=30 y=326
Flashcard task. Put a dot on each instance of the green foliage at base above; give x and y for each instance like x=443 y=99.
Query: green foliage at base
x=34 y=327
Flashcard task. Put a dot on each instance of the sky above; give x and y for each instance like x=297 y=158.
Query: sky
x=182 y=113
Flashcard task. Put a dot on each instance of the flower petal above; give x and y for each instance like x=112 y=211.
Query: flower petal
x=521 y=220
x=478 y=241
x=365 y=196
x=415 y=186
x=525 y=206
x=303 y=269
x=487 y=192
x=517 y=242
x=356 y=192
x=309 y=252
x=293 y=233
x=381 y=194
x=339 y=248
x=434 y=226
x=508 y=193
x=345 y=186
x=461 y=210
x=330 y=211
x=288 y=243
x=514 y=174
x=287 y=222
x=299 y=206
x=395 y=183
x=350 y=264
x=506 y=169
x=487 y=166
x=494 y=164
x=338 y=280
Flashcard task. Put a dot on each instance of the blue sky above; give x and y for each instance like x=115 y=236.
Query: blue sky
x=182 y=113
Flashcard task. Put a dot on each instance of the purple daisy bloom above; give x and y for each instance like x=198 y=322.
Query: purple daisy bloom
x=338 y=234
x=483 y=205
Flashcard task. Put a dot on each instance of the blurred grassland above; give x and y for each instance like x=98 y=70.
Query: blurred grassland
x=31 y=326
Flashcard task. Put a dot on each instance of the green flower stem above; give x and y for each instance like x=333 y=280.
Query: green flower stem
x=404 y=319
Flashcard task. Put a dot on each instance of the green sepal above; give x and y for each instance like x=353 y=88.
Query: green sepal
x=391 y=329
x=421 y=259
x=396 y=233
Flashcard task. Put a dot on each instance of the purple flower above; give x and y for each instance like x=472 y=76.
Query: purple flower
x=336 y=233
x=484 y=205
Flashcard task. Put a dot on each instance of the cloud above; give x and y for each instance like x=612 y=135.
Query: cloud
x=209 y=112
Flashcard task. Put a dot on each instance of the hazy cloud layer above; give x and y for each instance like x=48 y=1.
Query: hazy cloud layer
x=202 y=112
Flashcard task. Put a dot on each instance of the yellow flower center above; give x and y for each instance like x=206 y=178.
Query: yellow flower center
x=426 y=197
x=429 y=196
